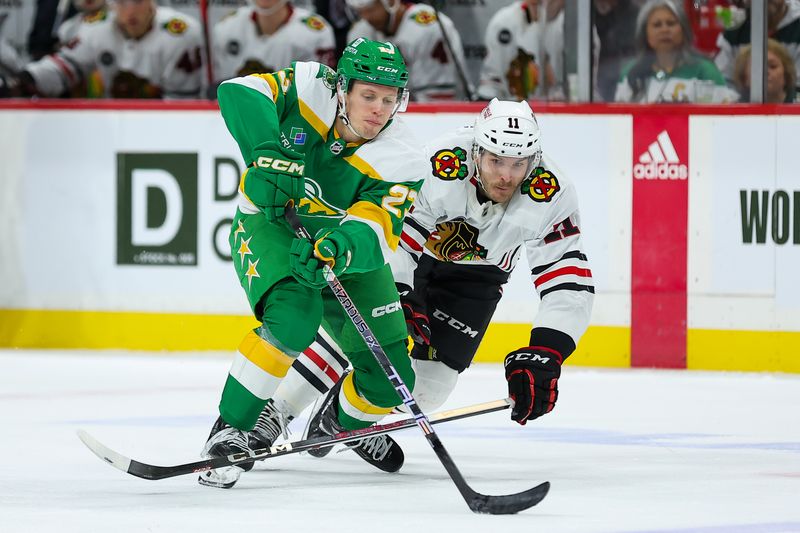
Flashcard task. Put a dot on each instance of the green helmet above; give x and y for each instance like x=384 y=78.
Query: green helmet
x=373 y=62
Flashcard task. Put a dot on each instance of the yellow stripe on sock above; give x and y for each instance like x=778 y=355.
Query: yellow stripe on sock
x=264 y=355
x=355 y=400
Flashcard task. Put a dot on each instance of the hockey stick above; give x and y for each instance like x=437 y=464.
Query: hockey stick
x=462 y=77
x=153 y=472
x=207 y=42
x=478 y=503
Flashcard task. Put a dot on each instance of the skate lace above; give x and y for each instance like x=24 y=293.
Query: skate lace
x=378 y=447
x=271 y=424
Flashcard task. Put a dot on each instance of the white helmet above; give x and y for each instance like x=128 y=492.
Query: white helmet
x=508 y=129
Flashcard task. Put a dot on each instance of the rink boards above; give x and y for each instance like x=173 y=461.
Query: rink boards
x=114 y=220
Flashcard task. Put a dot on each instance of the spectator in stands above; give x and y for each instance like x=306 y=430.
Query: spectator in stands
x=432 y=68
x=89 y=12
x=667 y=67
x=141 y=51
x=335 y=12
x=783 y=25
x=266 y=34
x=47 y=16
x=781 y=74
x=615 y=21
x=525 y=48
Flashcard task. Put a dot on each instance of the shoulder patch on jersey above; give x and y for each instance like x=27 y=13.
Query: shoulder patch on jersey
x=328 y=76
x=314 y=22
x=541 y=186
x=504 y=36
x=98 y=16
x=424 y=18
x=175 y=26
x=450 y=164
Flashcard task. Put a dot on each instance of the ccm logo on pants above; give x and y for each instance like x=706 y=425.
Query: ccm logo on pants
x=386 y=309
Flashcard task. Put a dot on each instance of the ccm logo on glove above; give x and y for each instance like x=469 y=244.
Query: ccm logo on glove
x=532 y=373
x=290 y=167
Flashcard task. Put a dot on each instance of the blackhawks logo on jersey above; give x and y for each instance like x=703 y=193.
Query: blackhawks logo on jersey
x=315 y=23
x=450 y=164
x=175 y=26
x=424 y=17
x=314 y=204
x=541 y=186
x=455 y=240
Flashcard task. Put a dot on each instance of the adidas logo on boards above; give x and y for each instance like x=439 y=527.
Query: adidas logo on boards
x=660 y=161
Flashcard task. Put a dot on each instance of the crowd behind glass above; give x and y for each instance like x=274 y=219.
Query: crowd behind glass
x=643 y=51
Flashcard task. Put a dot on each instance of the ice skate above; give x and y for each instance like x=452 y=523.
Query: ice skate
x=380 y=451
x=225 y=440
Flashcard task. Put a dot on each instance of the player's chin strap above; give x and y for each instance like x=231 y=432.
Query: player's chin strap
x=400 y=106
x=268 y=11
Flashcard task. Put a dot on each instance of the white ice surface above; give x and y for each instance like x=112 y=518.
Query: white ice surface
x=625 y=450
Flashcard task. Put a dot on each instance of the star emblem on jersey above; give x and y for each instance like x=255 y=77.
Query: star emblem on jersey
x=456 y=240
x=244 y=249
x=541 y=186
x=450 y=164
x=298 y=136
x=252 y=272
x=239 y=229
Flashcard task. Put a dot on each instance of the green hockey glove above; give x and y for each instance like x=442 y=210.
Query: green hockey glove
x=275 y=178
x=307 y=258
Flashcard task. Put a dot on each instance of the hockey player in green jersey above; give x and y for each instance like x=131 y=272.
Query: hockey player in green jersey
x=327 y=141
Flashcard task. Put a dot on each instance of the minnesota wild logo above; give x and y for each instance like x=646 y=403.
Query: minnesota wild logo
x=328 y=76
x=450 y=164
x=314 y=204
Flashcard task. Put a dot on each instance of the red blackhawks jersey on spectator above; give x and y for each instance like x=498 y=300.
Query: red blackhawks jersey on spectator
x=449 y=223
x=165 y=62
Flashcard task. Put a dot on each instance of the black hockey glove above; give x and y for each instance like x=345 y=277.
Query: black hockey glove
x=532 y=373
x=417 y=322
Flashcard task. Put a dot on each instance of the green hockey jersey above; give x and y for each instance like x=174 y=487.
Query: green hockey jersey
x=367 y=186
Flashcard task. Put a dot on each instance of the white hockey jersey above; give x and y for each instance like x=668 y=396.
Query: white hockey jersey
x=449 y=223
x=239 y=49
x=165 y=62
x=432 y=73
x=524 y=58
x=68 y=29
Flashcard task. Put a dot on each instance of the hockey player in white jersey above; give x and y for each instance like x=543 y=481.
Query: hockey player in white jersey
x=413 y=28
x=143 y=51
x=263 y=36
x=89 y=12
x=491 y=195
x=524 y=49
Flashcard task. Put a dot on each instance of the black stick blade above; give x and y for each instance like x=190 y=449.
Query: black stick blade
x=509 y=503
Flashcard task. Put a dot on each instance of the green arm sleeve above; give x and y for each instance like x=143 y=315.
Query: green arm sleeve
x=250 y=114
